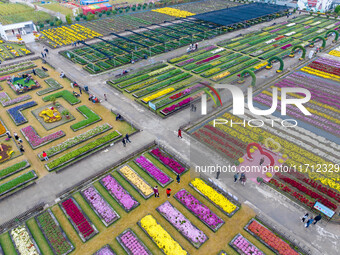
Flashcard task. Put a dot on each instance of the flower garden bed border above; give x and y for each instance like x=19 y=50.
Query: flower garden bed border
x=114 y=197
x=81 y=156
x=212 y=229
x=133 y=185
x=89 y=124
x=105 y=246
x=30 y=235
x=51 y=87
x=154 y=178
x=96 y=212
x=19 y=111
x=75 y=144
x=170 y=156
x=17 y=67
x=271 y=230
x=16 y=171
x=20 y=184
x=231 y=244
x=3 y=124
x=60 y=229
x=41 y=73
x=196 y=245
x=95 y=230
x=140 y=225
x=224 y=212
x=15 y=100
x=118 y=238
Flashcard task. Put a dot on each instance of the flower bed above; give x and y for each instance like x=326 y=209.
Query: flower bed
x=268 y=238
x=157 y=174
x=106 y=250
x=71 y=142
x=91 y=147
x=121 y=195
x=167 y=161
x=5 y=100
x=136 y=181
x=36 y=141
x=67 y=95
x=90 y=118
x=16 y=68
x=23 y=241
x=160 y=236
x=104 y=211
x=53 y=233
x=41 y=73
x=54 y=85
x=17 y=116
x=17 y=182
x=201 y=211
x=78 y=219
x=8 y=171
x=194 y=235
x=216 y=198
x=243 y=246
x=183 y=57
x=132 y=244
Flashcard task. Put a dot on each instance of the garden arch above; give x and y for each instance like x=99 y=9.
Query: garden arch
x=292 y=54
x=332 y=31
x=251 y=73
x=321 y=38
x=278 y=59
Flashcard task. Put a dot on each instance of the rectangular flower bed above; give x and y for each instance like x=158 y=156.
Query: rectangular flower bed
x=160 y=236
x=53 y=233
x=168 y=161
x=100 y=206
x=67 y=95
x=244 y=247
x=90 y=118
x=79 y=220
x=121 y=195
x=87 y=149
x=106 y=250
x=269 y=239
x=41 y=73
x=16 y=68
x=8 y=171
x=132 y=244
x=220 y=201
x=136 y=181
x=5 y=100
x=158 y=175
x=71 y=142
x=36 y=141
x=16 y=114
x=23 y=241
x=53 y=85
x=194 y=235
x=197 y=208
x=17 y=182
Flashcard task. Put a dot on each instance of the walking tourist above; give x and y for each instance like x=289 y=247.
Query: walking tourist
x=105 y=97
x=317 y=218
x=261 y=161
x=33 y=71
x=180 y=133
x=20 y=141
x=124 y=142
x=80 y=90
x=309 y=222
x=305 y=217
x=21 y=148
x=44 y=154
x=243 y=179
x=16 y=136
x=42 y=54
x=8 y=135
x=218 y=174
x=168 y=192
x=178 y=178
x=236 y=177
x=127 y=138
x=155 y=191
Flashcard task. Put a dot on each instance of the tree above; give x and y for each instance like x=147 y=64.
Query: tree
x=337 y=9
x=68 y=19
x=51 y=23
x=77 y=18
x=58 y=23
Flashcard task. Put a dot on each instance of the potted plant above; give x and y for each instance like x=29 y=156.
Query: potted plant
x=66 y=113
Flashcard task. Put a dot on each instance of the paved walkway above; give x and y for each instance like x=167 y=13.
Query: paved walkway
x=321 y=239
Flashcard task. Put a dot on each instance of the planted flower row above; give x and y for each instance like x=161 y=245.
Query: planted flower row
x=169 y=162
x=54 y=85
x=194 y=235
x=71 y=142
x=121 y=195
x=106 y=250
x=8 y=171
x=101 y=207
x=23 y=241
x=16 y=113
x=36 y=141
x=17 y=182
x=244 y=247
x=54 y=234
x=132 y=244
x=90 y=118
x=157 y=174
x=5 y=100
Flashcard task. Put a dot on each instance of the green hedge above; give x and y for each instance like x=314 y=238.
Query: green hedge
x=82 y=150
x=91 y=117
x=11 y=169
x=12 y=184
x=67 y=95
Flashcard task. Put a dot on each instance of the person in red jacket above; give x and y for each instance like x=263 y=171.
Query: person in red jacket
x=168 y=192
x=180 y=133
x=44 y=154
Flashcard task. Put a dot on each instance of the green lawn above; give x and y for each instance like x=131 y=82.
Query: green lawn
x=54 y=6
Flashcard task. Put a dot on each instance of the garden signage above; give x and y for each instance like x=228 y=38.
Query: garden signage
x=324 y=209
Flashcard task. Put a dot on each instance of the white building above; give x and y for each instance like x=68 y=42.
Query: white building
x=11 y=30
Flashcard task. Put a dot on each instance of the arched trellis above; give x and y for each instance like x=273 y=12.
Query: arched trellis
x=292 y=53
x=251 y=73
x=332 y=31
x=321 y=38
x=270 y=65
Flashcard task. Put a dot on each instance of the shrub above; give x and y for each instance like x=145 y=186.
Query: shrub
x=337 y=9
x=77 y=18
x=108 y=13
x=41 y=25
x=51 y=23
x=68 y=19
x=59 y=23
x=114 y=12
x=100 y=14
